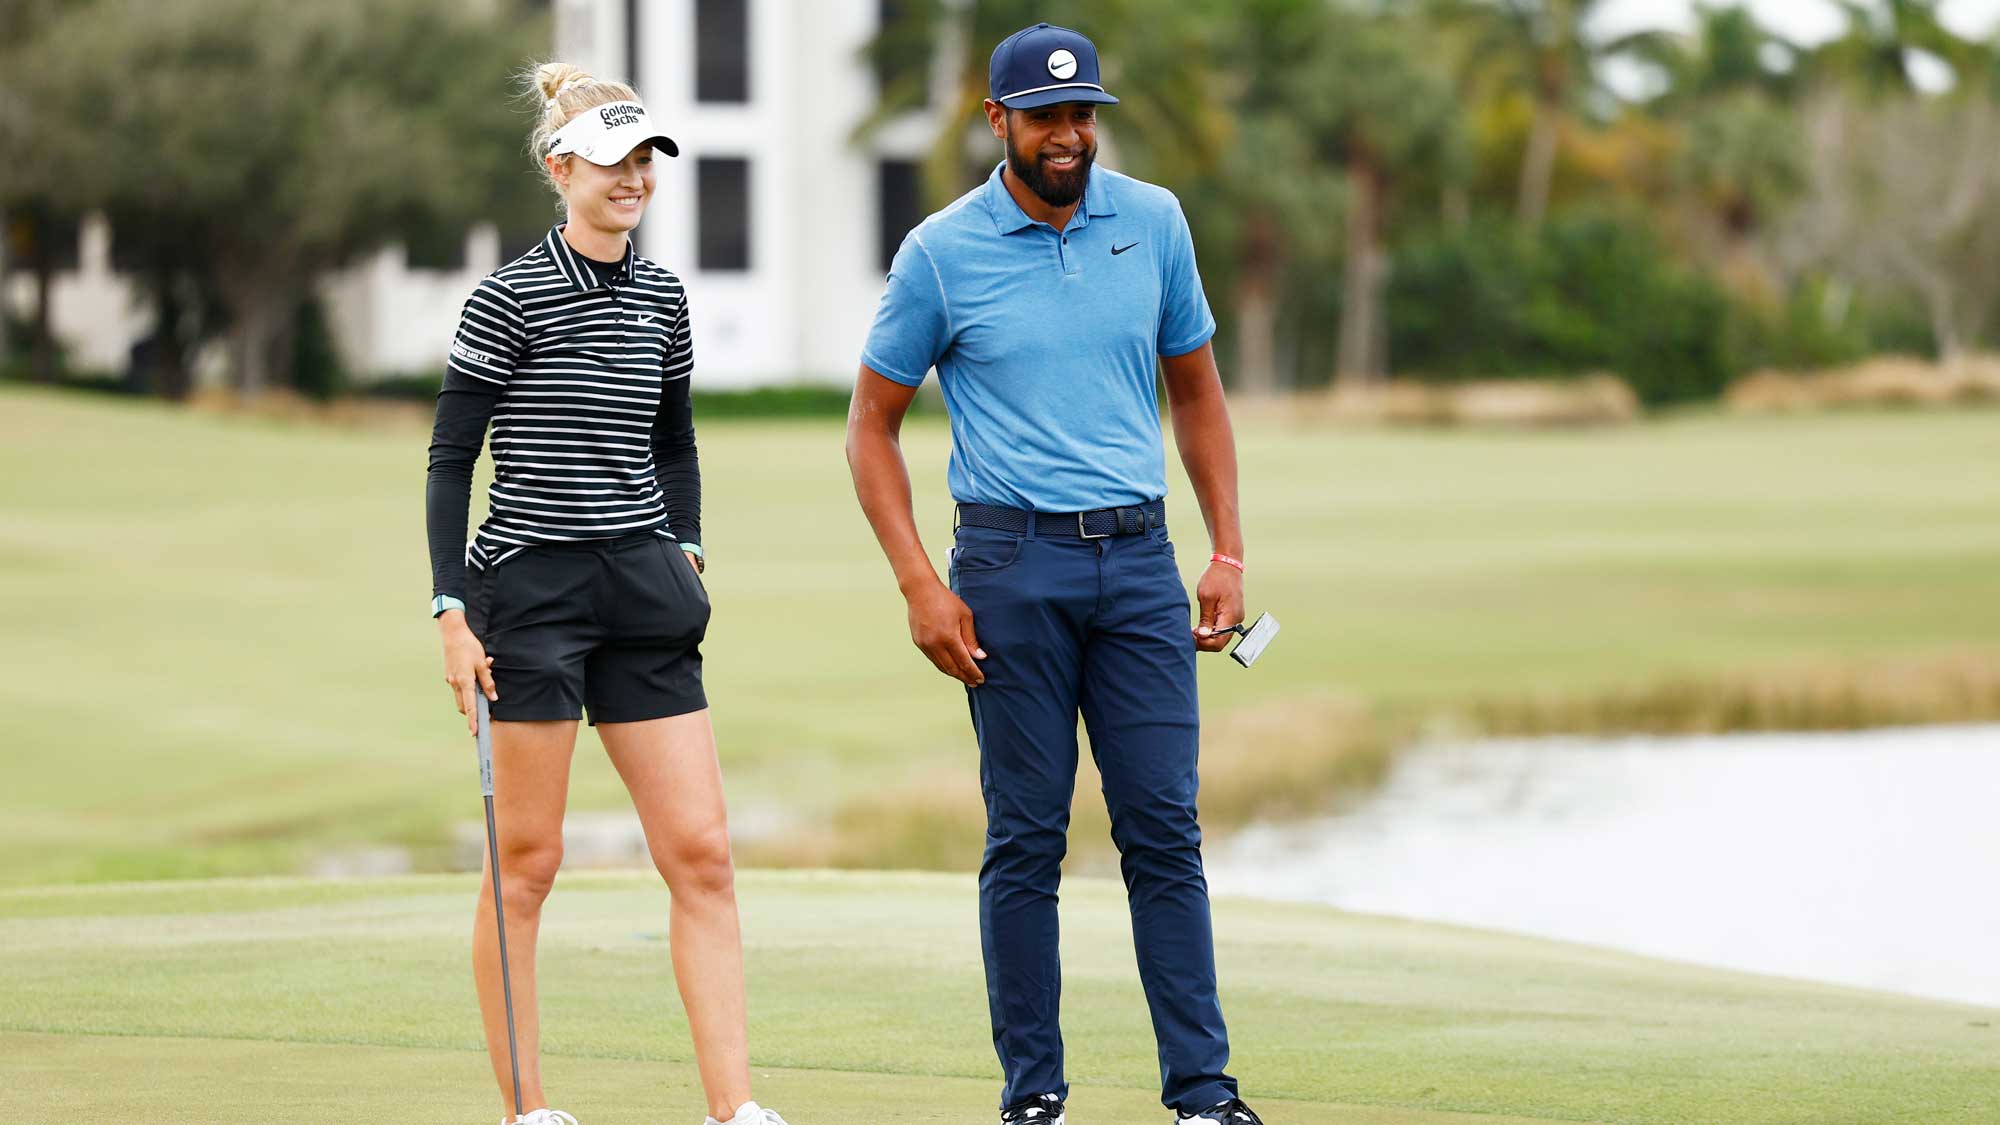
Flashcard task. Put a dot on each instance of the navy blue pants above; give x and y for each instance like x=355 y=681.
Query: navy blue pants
x=1098 y=626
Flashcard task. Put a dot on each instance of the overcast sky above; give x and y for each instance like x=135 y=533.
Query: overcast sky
x=1802 y=21
x=1806 y=21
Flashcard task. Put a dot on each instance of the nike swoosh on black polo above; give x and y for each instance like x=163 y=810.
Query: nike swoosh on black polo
x=1117 y=250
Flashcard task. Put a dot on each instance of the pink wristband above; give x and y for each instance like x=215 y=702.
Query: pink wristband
x=1222 y=558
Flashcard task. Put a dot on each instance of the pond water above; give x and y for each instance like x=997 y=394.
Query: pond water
x=1866 y=858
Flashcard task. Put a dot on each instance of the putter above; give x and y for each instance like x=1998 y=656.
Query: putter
x=482 y=739
x=1252 y=639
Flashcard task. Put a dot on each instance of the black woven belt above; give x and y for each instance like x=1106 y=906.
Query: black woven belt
x=1095 y=524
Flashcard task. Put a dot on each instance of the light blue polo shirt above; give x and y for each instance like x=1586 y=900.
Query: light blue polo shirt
x=1046 y=343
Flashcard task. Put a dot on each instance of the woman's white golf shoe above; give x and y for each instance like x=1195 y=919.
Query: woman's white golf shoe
x=540 y=1117
x=749 y=1113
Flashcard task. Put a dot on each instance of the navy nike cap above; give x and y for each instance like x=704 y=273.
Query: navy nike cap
x=1043 y=65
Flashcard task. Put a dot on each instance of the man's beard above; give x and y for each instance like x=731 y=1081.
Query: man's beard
x=1057 y=189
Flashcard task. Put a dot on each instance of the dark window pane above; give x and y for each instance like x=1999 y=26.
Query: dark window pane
x=899 y=204
x=722 y=204
x=722 y=50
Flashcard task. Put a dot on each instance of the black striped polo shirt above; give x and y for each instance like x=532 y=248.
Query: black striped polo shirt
x=579 y=363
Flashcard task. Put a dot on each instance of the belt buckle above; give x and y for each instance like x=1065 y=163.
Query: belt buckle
x=1084 y=532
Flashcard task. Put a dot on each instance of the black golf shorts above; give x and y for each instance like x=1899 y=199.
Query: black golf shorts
x=609 y=625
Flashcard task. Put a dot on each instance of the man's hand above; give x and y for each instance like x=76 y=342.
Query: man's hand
x=1208 y=450
x=1220 y=592
x=941 y=625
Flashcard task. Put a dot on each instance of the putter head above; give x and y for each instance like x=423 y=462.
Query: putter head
x=1254 y=640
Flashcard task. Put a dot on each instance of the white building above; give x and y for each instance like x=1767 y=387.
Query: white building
x=95 y=311
x=387 y=316
x=780 y=225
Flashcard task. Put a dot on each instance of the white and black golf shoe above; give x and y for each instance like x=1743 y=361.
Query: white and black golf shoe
x=540 y=1117
x=1231 y=1112
x=749 y=1113
x=1042 y=1109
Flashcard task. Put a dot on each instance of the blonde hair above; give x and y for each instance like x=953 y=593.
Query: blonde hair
x=561 y=91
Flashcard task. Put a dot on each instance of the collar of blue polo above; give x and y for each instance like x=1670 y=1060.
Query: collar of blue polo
x=1008 y=216
x=573 y=266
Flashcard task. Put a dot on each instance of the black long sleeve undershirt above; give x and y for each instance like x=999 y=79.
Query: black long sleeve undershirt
x=465 y=406
x=676 y=463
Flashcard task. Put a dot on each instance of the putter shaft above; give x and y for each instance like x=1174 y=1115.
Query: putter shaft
x=483 y=741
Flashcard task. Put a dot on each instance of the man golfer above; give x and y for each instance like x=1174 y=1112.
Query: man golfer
x=1045 y=298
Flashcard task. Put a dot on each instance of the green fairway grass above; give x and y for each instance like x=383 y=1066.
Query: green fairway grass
x=275 y=1000
x=214 y=656
x=288 y=1081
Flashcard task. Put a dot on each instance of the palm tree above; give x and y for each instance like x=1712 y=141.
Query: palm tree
x=1728 y=97
x=1730 y=51
x=1882 y=40
x=1370 y=105
x=1535 y=49
x=1280 y=121
x=37 y=206
x=1153 y=52
x=1259 y=198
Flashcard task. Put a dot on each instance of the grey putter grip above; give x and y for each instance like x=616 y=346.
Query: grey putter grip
x=482 y=738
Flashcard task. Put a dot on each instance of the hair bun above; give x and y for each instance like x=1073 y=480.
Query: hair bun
x=552 y=77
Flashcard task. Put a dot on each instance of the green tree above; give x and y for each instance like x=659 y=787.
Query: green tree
x=1903 y=189
x=256 y=146
x=1539 y=50
x=1260 y=201
x=1876 y=54
x=1273 y=119
x=1729 y=91
x=1729 y=52
x=36 y=206
x=1153 y=57
x=1371 y=106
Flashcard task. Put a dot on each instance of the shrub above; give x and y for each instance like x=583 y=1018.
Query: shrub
x=1584 y=293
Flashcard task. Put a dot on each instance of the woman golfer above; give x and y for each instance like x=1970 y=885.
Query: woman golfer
x=580 y=591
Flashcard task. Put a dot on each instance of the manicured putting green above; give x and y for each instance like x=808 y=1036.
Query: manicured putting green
x=296 y=1081
x=260 y=1001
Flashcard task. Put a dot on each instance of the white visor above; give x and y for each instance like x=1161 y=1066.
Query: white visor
x=604 y=134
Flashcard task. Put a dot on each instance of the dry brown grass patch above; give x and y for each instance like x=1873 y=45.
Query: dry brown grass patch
x=1287 y=758
x=1877 y=381
x=1591 y=400
x=1306 y=755
x=1956 y=688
